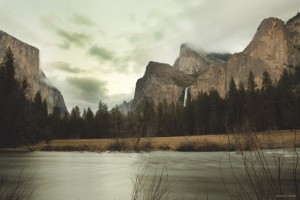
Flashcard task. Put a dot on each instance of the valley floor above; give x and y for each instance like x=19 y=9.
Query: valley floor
x=221 y=142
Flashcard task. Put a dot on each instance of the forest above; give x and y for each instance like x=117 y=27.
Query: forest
x=273 y=106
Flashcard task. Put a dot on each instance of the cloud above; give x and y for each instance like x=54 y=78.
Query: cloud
x=68 y=38
x=101 y=54
x=78 y=39
x=64 y=66
x=87 y=89
x=82 y=20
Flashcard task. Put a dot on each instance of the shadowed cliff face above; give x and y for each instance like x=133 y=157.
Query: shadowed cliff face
x=27 y=67
x=274 y=47
x=293 y=35
x=161 y=82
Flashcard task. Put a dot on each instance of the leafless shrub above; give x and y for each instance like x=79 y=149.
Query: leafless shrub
x=117 y=145
x=263 y=175
x=164 y=146
x=151 y=187
x=18 y=188
x=205 y=146
x=80 y=148
x=139 y=145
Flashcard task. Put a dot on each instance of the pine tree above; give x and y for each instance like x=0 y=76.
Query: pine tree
x=268 y=108
x=11 y=102
x=89 y=123
x=149 y=118
x=160 y=116
x=76 y=123
x=102 y=120
x=252 y=102
x=285 y=102
x=233 y=105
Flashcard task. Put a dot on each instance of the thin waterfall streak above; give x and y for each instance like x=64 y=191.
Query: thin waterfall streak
x=185 y=96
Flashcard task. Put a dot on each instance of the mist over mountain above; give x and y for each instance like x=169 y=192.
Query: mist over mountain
x=27 y=63
x=274 y=47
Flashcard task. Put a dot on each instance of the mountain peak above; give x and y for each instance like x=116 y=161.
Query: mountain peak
x=190 y=60
x=295 y=18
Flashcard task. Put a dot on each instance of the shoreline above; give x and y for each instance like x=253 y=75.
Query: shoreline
x=198 y=143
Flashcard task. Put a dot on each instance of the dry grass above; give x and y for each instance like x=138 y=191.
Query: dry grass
x=268 y=140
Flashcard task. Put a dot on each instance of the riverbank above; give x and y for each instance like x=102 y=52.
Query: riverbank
x=221 y=142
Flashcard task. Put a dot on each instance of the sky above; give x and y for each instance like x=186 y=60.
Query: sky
x=94 y=50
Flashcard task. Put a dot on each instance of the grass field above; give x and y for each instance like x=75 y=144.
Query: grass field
x=222 y=142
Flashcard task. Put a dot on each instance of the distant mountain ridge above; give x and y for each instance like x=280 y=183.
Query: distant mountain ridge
x=274 y=47
x=27 y=67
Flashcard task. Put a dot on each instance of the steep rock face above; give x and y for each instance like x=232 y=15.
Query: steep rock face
x=26 y=61
x=213 y=78
x=52 y=95
x=293 y=35
x=27 y=67
x=274 y=47
x=161 y=81
x=191 y=61
x=209 y=70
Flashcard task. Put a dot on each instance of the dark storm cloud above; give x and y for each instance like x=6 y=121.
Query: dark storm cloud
x=87 y=89
x=101 y=54
x=82 y=20
x=66 y=67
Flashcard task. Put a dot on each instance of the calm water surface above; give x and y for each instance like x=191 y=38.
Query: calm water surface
x=108 y=176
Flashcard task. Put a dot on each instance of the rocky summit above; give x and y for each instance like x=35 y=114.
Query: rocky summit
x=27 y=67
x=274 y=47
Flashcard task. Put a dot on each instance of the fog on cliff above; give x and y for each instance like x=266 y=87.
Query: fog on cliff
x=96 y=50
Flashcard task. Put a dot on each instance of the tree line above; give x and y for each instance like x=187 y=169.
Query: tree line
x=275 y=105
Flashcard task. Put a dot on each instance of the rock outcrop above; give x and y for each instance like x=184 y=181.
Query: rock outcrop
x=191 y=61
x=161 y=81
x=274 y=47
x=27 y=67
x=293 y=36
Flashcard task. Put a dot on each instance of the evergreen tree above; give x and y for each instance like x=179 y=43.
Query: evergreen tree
x=252 y=102
x=286 y=103
x=201 y=112
x=102 y=120
x=76 y=123
x=11 y=103
x=268 y=108
x=160 y=117
x=89 y=121
x=242 y=103
x=117 y=120
x=149 y=119
x=216 y=112
x=55 y=123
x=233 y=105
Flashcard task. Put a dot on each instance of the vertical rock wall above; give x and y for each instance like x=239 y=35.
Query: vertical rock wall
x=27 y=67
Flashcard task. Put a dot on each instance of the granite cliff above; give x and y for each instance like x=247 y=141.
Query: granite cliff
x=161 y=81
x=274 y=47
x=27 y=67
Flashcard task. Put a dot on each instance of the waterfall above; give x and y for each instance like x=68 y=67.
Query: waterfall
x=185 y=96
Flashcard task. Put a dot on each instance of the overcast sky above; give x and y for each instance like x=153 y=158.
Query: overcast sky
x=94 y=50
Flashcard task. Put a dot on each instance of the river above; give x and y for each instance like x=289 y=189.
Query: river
x=108 y=176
